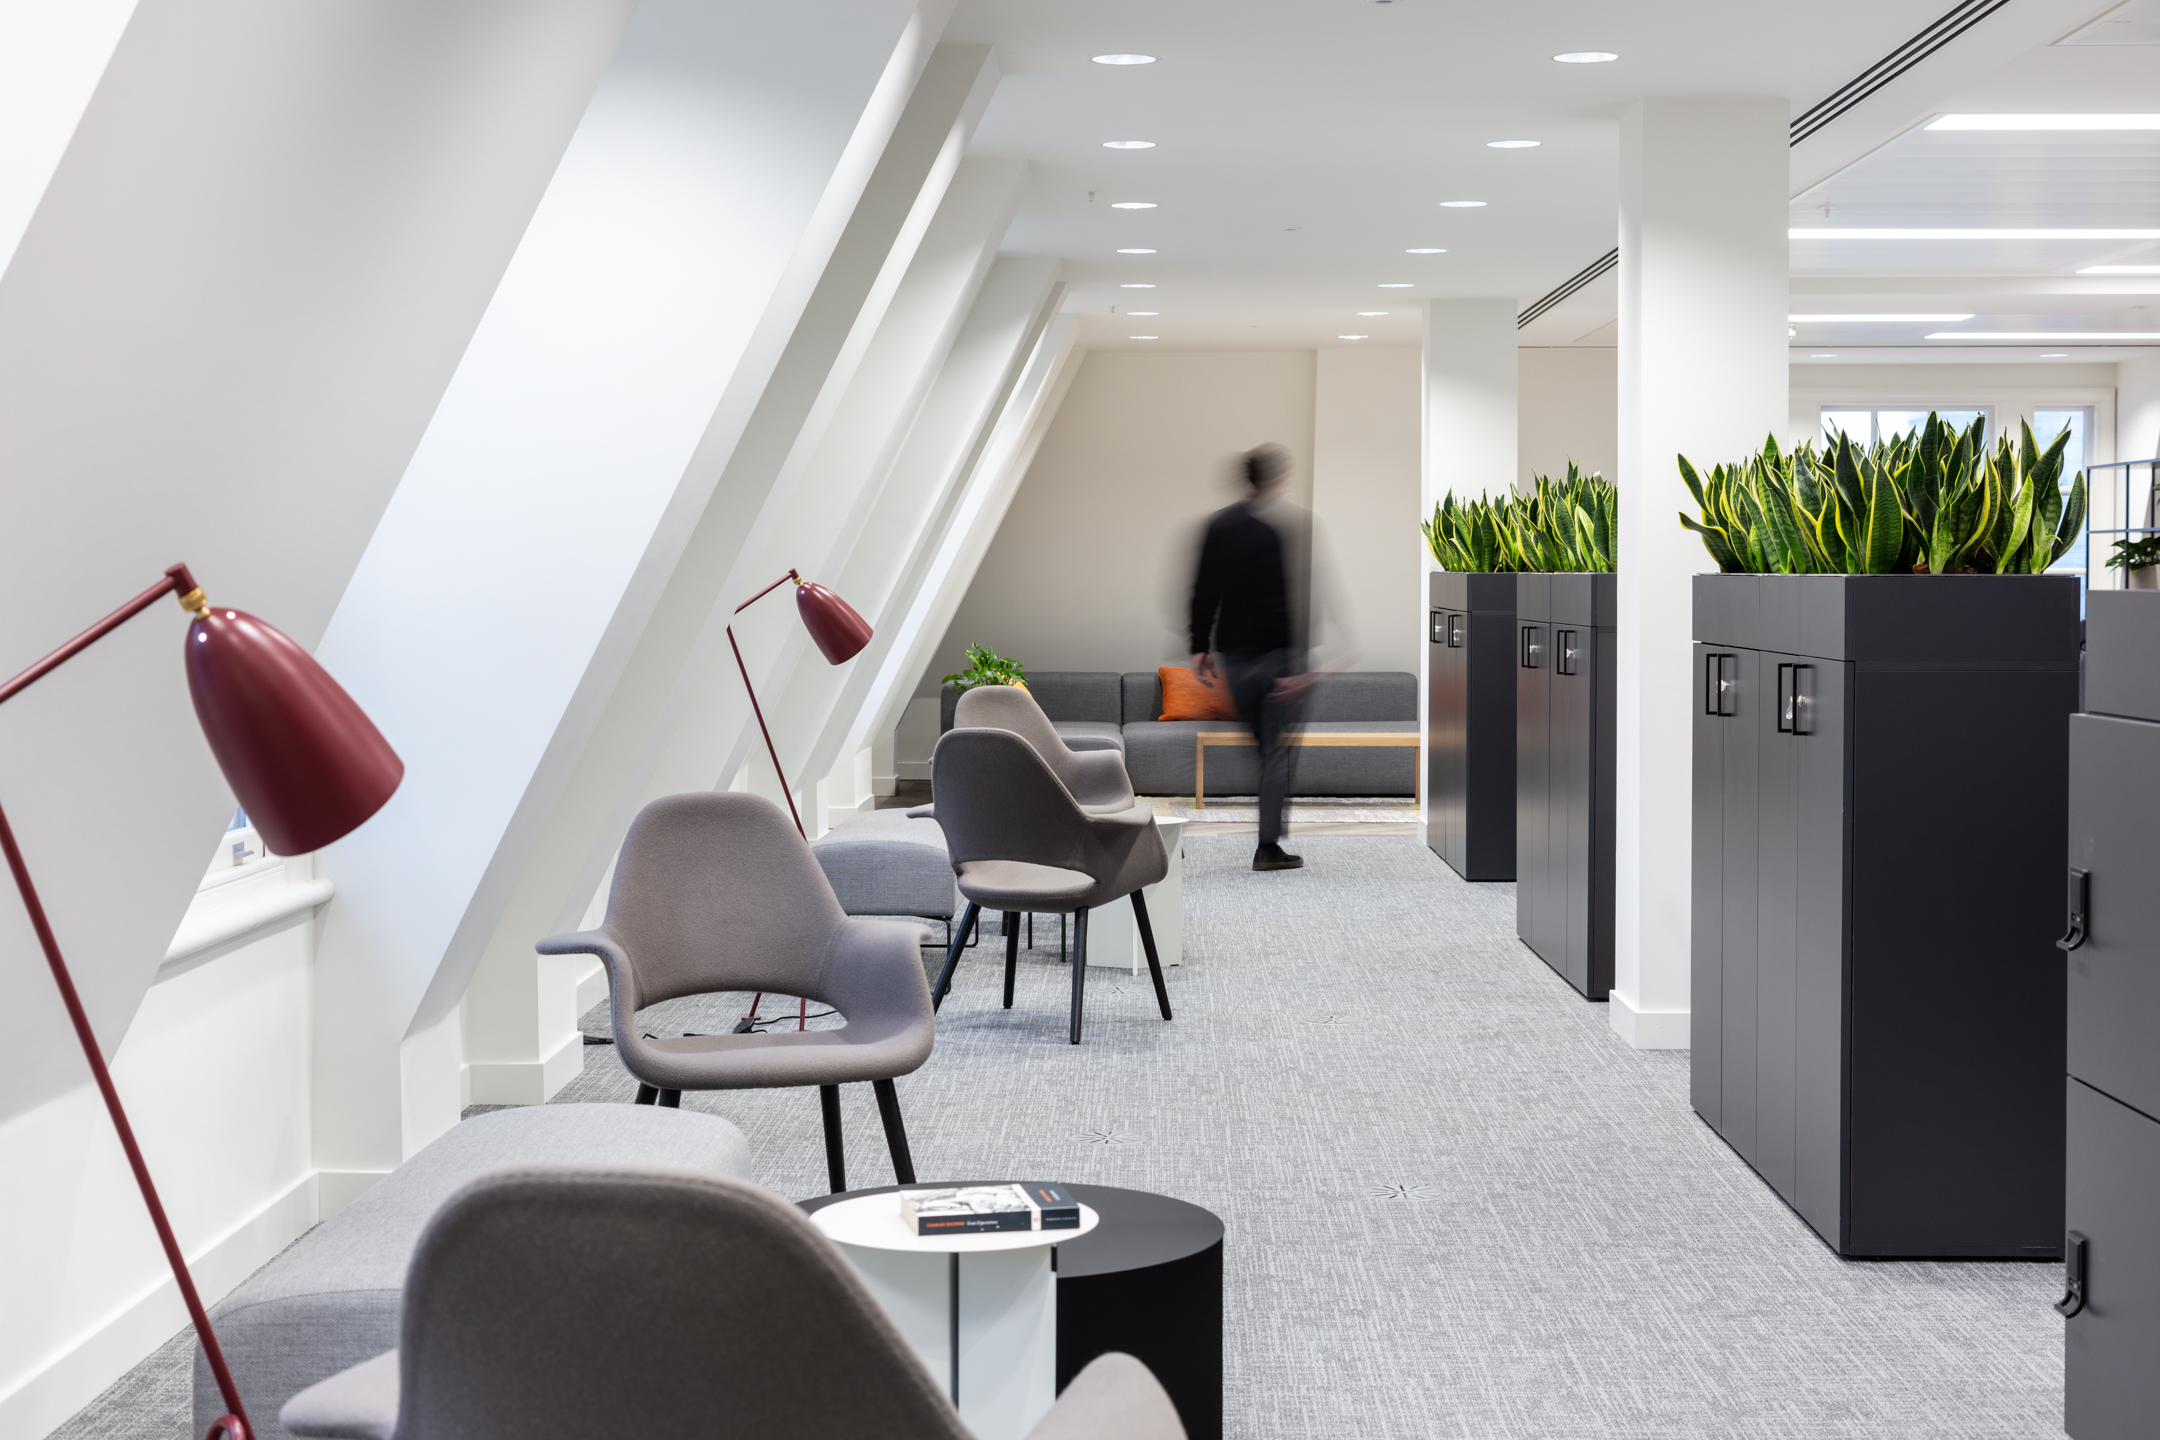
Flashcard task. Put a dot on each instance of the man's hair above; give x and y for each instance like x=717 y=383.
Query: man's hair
x=1265 y=464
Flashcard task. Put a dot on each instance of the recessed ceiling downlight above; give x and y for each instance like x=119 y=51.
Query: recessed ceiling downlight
x=1150 y=314
x=2056 y=355
x=1143 y=337
x=1513 y=144
x=1368 y=314
x=1353 y=337
x=1124 y=59
x=1586 y=57
x=1831 y=356
x=1137 y=251
x=1128 y=144
x=1132 y=205
x=1135 y=287
x=1395 y=285
x=1462 y=204
x=1426 y=250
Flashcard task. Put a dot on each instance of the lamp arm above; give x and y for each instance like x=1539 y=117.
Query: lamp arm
x=791 y=575
x=234 y=1424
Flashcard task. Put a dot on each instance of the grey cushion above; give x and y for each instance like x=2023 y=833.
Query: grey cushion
x=1362 y=695
x=1063 y=695
x=1091 y=735
x=1159 y=758
x=330 y=1300
x=884 y=863
x=1141 y=696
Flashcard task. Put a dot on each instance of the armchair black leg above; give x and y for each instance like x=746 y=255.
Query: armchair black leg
x=888 y=1104
x=1079 y=964
x=835 y=1155
x=646 y=1094
x=669 y=1099
x=1012 y=953
x=952 y=956
x=1147 y=943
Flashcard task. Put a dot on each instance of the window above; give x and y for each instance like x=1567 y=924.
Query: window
x=1868 y=426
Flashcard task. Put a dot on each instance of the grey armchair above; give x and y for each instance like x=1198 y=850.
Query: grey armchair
x=1021 y=843
x=1095 y=778
x=716 y=891
x=615 y=1304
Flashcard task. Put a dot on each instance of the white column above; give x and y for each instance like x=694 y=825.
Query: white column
x=1703 y=372
x=1469 y=442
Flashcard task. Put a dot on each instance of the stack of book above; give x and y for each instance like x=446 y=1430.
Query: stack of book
x=974 y=1209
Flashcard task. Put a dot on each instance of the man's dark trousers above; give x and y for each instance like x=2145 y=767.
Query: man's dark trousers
x=1251 y=675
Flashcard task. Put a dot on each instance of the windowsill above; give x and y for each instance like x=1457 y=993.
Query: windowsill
x=240 y=900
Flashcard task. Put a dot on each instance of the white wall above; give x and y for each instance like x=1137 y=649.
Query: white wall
x=1092 y=567
x=2137 y=413
x=1568 y=400
x=1365 y=501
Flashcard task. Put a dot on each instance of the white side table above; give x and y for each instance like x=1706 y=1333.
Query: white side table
x=1113 y=934
x=980 y=1311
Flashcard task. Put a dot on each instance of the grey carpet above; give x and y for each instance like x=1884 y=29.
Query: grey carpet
x=1457 y=1205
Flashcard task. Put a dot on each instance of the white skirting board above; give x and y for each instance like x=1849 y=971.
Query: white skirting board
x=527 y=1082
x=84 y=1366
x=1649 y=1029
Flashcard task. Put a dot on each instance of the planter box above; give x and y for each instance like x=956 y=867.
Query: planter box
x=1880 y=794
x=2111 y=1389
x=1470 y=724
x=1565 y=670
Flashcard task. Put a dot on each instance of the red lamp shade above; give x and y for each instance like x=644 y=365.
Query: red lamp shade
x=831 y=621
x=306 y=764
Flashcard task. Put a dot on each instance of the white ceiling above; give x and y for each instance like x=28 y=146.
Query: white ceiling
x=1302 y=146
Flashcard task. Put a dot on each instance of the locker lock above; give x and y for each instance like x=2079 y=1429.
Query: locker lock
x=2073 y=1299
x=2080 y=905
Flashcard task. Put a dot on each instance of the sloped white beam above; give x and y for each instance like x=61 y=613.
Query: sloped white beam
x=657 y=300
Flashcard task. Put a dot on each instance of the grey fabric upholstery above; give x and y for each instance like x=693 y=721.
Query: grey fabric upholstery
x=1359 y=696
x=1089 y=695
x=1095 y=778
x=999 y=801
x=330 y=1300
x=716 y=891
x=1159 y=757
x=1090 y=734
x=884 y=863
x=573 y=1304
x=1140 y=696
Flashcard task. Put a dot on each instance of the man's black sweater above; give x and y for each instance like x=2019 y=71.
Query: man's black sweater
x=1241 y=591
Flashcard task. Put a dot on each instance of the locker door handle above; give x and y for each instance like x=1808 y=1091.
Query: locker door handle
x=1454 y=632
x=1533 y=652
x=1564 y=644
x=1793 y=700
x=2073 y=1299
x=1439 y=627
x=2080 y=903
x=1721 y=685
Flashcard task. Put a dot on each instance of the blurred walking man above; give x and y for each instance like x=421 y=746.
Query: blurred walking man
x=1250 y=604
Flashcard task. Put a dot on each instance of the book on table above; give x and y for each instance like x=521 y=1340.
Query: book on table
x=981 y=1209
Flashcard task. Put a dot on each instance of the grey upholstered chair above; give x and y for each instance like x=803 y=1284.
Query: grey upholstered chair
x=1095 y=778
x=716 y=891
x=1020 y=843
x=613 y=1304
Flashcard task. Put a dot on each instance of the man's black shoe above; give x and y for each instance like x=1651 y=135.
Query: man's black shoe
x=1271 y=857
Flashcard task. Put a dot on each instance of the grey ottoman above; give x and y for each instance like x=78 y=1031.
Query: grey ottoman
x=331 y=1299
x=884 y=863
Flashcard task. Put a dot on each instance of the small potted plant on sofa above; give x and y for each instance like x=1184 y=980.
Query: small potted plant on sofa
x=1881 y=692
x=986 y=667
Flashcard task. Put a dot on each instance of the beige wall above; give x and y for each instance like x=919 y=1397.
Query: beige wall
x=1568 y=409
x=1365 y=504
x=1092 y=566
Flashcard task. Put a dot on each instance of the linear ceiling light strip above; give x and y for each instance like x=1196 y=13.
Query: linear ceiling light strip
x=1891 y=66
x=1605 y=264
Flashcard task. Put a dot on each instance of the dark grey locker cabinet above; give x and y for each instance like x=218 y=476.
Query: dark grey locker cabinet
x=1877 y=1017
x=1565 y=723
x=1470 y=724
x=2111 y=929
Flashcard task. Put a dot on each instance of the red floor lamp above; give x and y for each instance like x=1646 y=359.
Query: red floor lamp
x=841 y=634
x=306 y=765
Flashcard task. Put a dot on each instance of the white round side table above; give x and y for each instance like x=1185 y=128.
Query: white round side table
x=980 y=1311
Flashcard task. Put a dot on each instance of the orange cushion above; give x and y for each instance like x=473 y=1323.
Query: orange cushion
x=1185 y=698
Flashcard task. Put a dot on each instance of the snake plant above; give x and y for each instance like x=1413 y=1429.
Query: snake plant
x=1567 y=524
x=1933 y=502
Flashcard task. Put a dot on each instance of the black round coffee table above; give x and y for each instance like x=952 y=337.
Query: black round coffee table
x=1148 y=1282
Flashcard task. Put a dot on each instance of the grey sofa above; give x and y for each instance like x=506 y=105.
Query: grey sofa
x=1101 y=710
x=331 y=1299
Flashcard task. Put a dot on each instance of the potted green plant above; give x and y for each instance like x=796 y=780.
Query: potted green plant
x=2137 y=559
x=986 y=667
x=1877 y=1017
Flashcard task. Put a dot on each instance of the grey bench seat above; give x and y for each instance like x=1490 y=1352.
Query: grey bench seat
x=330 y=1299
x=885 y=863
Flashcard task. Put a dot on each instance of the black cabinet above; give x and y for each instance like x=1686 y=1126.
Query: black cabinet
x=1876 y=1009
x=1470 y=724
x=1565 y=716
x=2111 y=1387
